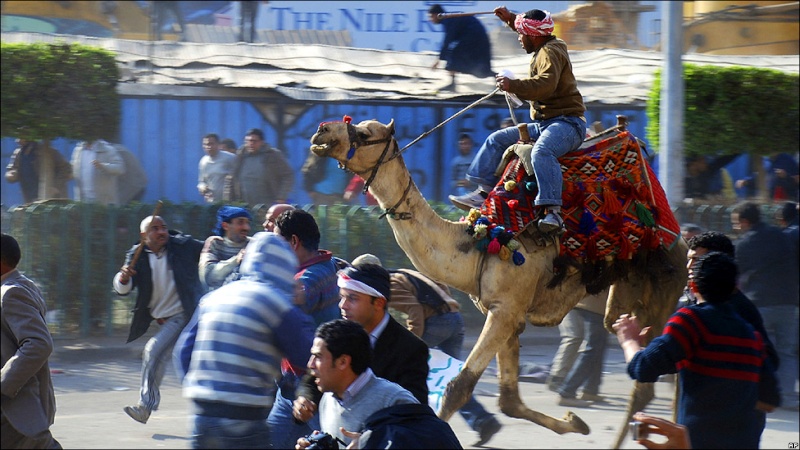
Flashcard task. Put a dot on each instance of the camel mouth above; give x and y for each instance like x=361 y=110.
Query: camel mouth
x=319 y=149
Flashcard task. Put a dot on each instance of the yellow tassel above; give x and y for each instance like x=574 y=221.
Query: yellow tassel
x=510 y=185
x=505 y=253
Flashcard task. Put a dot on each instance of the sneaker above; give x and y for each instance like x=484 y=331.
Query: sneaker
x=592 y=397
x=469 y=200
x=488 y=429
x=138 y=413
x=551 y=222
x=574 y=402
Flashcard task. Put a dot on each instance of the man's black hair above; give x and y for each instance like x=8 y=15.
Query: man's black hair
x=345 y=337
x=748 y=211
x=436 y=9
x=713 y=241
x=302 y=224
x=9 y=250
x=714 y=276
x=213 y=136
x=255 y=131
x=374 y=276
x=535 y=14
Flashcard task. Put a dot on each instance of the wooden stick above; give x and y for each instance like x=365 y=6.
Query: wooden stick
x=141 y=243
x=442 y=16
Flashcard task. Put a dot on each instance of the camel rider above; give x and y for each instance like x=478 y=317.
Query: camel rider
x=557 y=110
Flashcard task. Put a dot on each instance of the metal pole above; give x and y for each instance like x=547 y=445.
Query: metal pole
x=671 y=162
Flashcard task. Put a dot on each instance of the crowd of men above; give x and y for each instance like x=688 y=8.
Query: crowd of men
x=275 y=339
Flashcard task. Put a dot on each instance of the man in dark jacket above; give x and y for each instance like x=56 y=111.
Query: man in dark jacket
x=770 y=279
x=465 y=48
x=169 y=288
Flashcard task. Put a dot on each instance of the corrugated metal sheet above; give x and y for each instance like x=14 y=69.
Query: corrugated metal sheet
x=609 y=76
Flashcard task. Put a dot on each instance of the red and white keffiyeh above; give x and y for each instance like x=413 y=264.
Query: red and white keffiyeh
x=532 y=27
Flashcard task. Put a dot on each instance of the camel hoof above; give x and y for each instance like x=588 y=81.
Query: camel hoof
x=577 y=424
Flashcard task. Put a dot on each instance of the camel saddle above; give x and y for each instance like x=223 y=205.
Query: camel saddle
x=613 y=206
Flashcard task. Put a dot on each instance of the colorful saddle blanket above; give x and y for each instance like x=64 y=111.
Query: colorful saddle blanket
x=613 y=206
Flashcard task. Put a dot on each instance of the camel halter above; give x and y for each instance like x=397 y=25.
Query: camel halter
x=355 y=142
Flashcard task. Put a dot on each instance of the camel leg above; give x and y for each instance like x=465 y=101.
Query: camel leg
x=510 y=402
x=641 y=396
x=459 y=389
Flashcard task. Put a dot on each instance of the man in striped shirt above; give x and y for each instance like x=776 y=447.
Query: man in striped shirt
x=717 y=355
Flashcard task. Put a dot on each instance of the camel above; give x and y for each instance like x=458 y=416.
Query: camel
x=509 y=295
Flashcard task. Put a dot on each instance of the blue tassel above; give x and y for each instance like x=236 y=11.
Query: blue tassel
x=530 y=186
x=518 y=258
x=494 y=232
x=351 y=153
x=587 y=225
x=482 y=244
x=482 y=220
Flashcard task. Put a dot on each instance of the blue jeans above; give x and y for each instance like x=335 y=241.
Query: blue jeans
x=219 y=432
x=554 y=138
x=781 y=322
x=281 y=421
x=588 y=369
x=572 y=332
x=446 y=332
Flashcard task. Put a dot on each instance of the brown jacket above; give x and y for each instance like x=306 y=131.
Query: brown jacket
x=551 y=89
x=404 y=299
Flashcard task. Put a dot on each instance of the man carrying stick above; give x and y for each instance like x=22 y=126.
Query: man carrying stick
x=169 y=288
x=556 y=109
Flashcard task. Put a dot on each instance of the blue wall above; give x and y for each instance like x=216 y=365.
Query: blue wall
x=166 y=135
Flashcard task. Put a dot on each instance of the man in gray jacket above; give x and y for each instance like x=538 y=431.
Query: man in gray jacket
x=29 y=405
x=263 y=175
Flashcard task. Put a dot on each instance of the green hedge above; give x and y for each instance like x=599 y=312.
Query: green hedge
x=733 y=110
x=58 y=90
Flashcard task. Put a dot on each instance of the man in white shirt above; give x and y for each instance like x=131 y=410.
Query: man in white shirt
x=215 y=171
x=168 y=285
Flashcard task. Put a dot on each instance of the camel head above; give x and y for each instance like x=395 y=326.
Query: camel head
x=356 y=147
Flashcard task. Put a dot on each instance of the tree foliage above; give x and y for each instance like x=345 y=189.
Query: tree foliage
x=59 y=90
x=730 y=110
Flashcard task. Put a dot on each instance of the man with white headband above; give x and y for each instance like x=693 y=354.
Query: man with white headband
x=398 y=355
x=557 y=109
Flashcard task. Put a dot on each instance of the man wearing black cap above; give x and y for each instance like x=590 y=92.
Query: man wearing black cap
x=223 y=251
x=398 y=355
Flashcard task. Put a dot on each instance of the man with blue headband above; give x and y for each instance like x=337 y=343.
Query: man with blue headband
x=224 y=250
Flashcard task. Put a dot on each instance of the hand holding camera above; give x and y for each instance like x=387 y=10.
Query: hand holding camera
x=643 y=425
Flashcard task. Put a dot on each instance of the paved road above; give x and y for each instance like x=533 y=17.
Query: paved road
x=93 y=381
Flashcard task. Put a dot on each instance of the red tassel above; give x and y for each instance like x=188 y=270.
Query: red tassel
x=615 y=223
x=643 y=194
x=611 y=204
x=347 y=119
x=591 y=247
x=650 y=239
x=494 y=246
x=625 y=247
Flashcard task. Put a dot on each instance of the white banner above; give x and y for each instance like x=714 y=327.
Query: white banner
x=441 y=369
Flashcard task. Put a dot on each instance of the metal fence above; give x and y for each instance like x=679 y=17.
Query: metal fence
x=72 y=250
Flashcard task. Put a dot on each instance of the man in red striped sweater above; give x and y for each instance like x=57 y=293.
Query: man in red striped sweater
x=717 y=355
